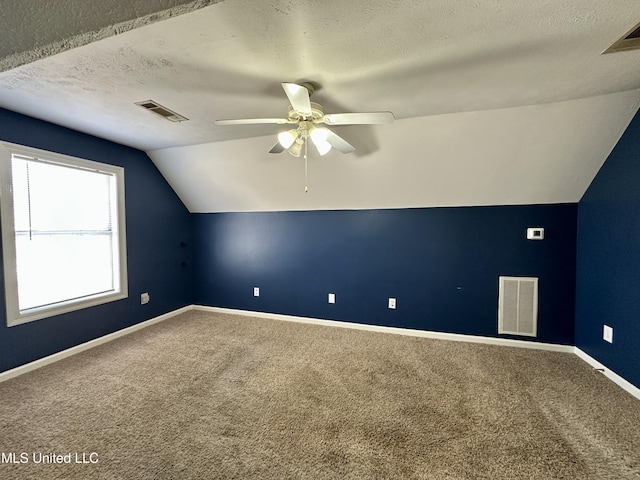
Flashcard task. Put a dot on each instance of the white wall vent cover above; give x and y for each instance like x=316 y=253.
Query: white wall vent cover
x=518 y=306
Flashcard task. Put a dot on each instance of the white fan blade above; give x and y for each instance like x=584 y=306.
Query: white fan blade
x=339 y=143
x=370 y=118
x=251 y=121
x=298 y=98
x=277 y=148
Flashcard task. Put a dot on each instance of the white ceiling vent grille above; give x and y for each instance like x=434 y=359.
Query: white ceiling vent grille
x=629 y=41
x=164 y=112
x=518 y=306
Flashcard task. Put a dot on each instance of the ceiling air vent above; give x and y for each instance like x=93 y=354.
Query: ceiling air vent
x=630 y=41
x=164 y=112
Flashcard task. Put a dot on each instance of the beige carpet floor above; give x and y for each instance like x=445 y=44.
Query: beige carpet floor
x=206 y=395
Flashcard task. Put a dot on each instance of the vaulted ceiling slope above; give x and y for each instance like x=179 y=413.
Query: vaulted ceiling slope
x=513 y=156
x=498 y=102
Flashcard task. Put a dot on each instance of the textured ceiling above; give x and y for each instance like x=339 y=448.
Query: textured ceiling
x=433 y=64
x=33 y=29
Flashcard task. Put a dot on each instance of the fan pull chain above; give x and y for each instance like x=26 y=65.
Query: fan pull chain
x=306 y=190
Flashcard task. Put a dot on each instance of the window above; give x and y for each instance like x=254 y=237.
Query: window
x=63 y=233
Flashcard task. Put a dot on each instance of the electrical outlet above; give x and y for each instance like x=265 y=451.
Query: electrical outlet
x=332 y=298
x=607 y=333
x=256 y=292
x=144 y=298
x=392 y=303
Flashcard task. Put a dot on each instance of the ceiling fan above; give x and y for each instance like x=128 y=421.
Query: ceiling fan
x=307 y=118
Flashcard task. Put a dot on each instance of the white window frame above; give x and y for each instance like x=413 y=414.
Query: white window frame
x=14 y=316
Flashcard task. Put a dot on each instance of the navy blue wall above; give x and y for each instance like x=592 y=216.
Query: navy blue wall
x=159 y=239
x=608 y=265
x=442 y=265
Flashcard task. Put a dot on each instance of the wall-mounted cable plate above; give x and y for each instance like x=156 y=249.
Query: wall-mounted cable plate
x=535 y=233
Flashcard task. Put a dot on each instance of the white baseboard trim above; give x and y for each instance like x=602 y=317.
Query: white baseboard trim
x=41 y=362
x=614 y=377
x=457 y=337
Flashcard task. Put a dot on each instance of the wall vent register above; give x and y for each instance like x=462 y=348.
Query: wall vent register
x=518 y=306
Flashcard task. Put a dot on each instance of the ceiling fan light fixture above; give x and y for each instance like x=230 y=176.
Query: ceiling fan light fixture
x=319 y=139
x=287 y=138
x=319 y=134
x=323 y=148
x=296 y=148
x=305 y=115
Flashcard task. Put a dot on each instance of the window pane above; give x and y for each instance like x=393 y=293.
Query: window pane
x=49 y=197
x=53 y=268
x=66 y=247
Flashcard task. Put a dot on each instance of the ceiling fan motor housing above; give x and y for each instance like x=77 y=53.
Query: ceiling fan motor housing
x=309 y=86
x=316 y=114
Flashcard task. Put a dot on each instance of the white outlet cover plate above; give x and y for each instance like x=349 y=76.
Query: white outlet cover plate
x=256 y=291
x=332 y=298
x=144 y=298
x=392 y=303
x=607 y=333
